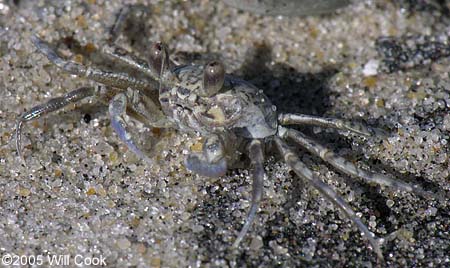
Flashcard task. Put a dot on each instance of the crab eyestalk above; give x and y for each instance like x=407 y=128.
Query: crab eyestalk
x=159 y=59
x=213 y=78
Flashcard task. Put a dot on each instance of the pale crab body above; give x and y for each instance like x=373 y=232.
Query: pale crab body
x=231 y=115
x=236 y=113
x=239 y=107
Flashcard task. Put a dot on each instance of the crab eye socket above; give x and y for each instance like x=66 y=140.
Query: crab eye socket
x=213 y=78
x=159 y=58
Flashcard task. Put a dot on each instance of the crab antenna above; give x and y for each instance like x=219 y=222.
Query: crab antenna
x=257 y=160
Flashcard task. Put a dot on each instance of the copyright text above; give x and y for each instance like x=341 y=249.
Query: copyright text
x=9 y=259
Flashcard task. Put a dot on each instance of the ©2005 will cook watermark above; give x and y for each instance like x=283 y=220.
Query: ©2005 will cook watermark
x=10 y=260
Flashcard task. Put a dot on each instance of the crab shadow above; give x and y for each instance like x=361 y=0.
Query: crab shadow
x=291 y=92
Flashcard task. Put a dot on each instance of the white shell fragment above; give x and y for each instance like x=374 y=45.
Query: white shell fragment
x=371 y=67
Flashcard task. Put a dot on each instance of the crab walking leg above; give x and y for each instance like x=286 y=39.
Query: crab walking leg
x=121 y=20
x=125 y=57
x=119 y=80
x=119 y=23
x=120 y=54
x=130 y=60
x=257 y=160
x=117 y=109
x=304 y=172
x=339 y=124
x=348 y=167
x=48 y=107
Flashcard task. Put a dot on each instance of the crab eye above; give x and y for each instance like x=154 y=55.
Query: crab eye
x=159 y=58
x=213 y=78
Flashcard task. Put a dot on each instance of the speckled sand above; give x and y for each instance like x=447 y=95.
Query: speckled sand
x=83 y=193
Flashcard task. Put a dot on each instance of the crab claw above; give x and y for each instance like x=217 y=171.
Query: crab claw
x=195 y=163
x=211 y=162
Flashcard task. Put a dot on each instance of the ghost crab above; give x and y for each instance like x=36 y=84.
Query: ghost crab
x=228 y=112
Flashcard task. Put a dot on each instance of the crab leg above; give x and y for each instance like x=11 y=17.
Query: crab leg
x=119 y=80
x=129 y=59
x=117 y=109
x=305 y=173
x=339 y=124
x=257 y=160
x=48 y=107
x=120 y=54
x=119 y=23
x=348 y=167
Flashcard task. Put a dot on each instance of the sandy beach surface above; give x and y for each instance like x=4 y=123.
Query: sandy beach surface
x=83 y=193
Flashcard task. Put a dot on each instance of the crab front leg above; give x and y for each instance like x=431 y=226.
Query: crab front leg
x=117 y=110
x=48 y=107
x=304 y=172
